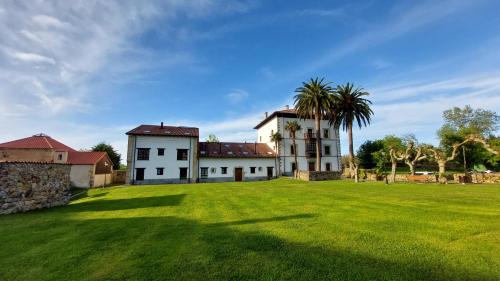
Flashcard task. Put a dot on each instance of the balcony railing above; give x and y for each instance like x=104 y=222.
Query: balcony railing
x=310 y=135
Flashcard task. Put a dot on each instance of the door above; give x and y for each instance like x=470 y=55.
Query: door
x=238 y=174
x=311 y=166
x=139 y=174
x=270 y=172
x=183 y=173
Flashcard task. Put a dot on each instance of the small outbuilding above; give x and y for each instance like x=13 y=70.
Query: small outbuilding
x=88 y=168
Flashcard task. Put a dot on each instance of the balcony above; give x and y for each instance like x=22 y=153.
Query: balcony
x=310 y=136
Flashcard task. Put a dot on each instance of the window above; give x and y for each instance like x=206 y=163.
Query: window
x=183 y=173
x=326 y=133
x=328 y=167
x=260 y=169
x=139 y=174
x=59 y=157
x=293 y=167
x=182 y=154
x=143 y=154
x=213 y=170
x=292 y=149
x=327 y=150
x=204 y=172
x=252 y=170
x=260 y=139
x=159 y=171
x=310 y=133
x=223 y=170
x=161 y=151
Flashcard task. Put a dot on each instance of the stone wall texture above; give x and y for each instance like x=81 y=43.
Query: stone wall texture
x=318 y=176
x=480 y=177
x=28 y=186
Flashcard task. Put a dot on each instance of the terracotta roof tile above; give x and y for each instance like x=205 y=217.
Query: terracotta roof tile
x=235 y=150
x=40 y=141
x=84 y=157
x=155 y=130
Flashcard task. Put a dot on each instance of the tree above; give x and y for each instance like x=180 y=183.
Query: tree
x=365 y=153
x=293 y=127
x=413 y=153
x=441 y=157
x=314 y=100
x=112 y=153
x=276 y=138
x=391 y=152
x=462 y=122
x=212 y=138
x=350 y=106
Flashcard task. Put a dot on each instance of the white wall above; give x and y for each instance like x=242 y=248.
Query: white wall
x=286 y=158
x=80 y=175
x=232 y=163
x=264 y=132
x=169 y=161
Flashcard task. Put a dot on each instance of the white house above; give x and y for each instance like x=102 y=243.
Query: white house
x=167 y=154
x=305 y=142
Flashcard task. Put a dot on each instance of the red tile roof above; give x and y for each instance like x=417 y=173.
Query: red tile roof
x=85 y=158
x=154 y=130
x=42 y=141
x=235 y=150
x=39 y=141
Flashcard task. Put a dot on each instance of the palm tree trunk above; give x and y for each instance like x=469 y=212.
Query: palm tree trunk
x=295 y=154
x=317 y=119
x=351 y=151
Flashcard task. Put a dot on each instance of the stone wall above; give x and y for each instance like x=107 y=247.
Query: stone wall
x=27 y=186
x=480 y=177
x=318 y=176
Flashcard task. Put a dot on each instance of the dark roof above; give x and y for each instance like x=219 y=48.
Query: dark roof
x=155 y=130
x=290 y=113
x=39 y=141
x=235 y=150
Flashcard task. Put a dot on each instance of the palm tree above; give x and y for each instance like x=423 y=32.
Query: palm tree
x=350 y=106
x=293 y=127
x=314 y=100
x=276 y=138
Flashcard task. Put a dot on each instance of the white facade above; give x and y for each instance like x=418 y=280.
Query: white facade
x=228 y=161
x=330 y=142
x=168 y=163
x=252 y=169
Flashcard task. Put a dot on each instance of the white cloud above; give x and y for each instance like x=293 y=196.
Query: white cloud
x=236 y=96
x=31 y=57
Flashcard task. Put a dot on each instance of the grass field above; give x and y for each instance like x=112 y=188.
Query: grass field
x=277 y=230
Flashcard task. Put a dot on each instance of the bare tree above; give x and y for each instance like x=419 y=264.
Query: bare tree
x=441 y=157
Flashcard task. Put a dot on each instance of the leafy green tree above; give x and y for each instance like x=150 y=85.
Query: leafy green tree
x=350 y=107
x=276 y=138
x=212 y=138
x=112 y=153
x=462 y=122
x=365 y=153
x=314 y=100
x=293 y=127
x=391 y=152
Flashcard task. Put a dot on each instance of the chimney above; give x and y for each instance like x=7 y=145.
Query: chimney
x=287 y=106
x=265 y=114
x=161 y=125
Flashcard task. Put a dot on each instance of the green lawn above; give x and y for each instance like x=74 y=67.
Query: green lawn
x=277 y=230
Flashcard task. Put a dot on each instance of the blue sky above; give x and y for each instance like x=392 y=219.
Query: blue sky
x=85 y=72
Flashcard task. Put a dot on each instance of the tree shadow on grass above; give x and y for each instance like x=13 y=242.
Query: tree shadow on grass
x=170 y=248
x=125 y=204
